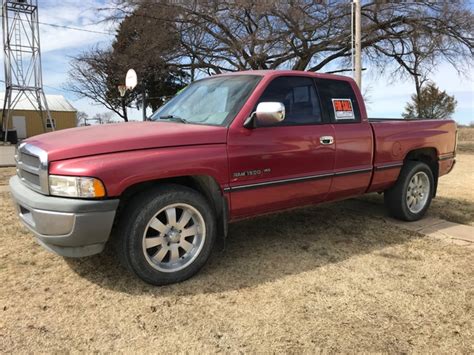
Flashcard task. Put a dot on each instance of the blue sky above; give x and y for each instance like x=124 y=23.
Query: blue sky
x=386 y=97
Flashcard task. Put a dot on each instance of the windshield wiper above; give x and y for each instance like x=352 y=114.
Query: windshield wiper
x=173 y=118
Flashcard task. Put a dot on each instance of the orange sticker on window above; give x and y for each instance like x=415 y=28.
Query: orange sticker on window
x=343 y=109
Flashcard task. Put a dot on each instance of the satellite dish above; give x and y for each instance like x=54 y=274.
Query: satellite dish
x=131 y=79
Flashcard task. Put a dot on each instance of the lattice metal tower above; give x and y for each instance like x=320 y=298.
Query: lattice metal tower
x=22 y=57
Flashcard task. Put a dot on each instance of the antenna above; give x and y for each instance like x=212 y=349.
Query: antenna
x=22 y=59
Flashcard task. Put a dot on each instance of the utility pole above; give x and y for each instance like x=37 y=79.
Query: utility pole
x=144 y=103
x=358 y=48
x=22 y=59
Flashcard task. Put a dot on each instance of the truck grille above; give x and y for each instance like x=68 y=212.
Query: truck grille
x=32 y=167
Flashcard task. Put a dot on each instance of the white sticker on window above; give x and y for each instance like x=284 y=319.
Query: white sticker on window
x=343 y=109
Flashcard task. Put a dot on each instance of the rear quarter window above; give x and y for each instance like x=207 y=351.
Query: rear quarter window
x=335 y=96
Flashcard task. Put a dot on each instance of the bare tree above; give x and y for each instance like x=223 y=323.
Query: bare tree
x=81 y=118
x=141 y=43
x=444 y=33
x=165 y=40
x=149 y=47
x=93 y=76
x=103 y=118
x=229 y=35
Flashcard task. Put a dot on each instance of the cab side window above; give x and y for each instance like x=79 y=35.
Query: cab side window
x=298 y=94
x=334 y=95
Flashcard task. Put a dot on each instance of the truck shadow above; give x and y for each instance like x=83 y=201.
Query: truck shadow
x=266 y=249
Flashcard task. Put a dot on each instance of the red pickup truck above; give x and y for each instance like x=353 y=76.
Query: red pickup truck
x=227 y=147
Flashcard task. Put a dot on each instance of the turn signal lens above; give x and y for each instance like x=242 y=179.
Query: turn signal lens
x=99 y=188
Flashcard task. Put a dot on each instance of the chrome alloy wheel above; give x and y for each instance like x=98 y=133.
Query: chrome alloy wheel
x=174 y=237
x=418 y=192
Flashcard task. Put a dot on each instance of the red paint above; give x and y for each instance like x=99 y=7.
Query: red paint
x=437 y=134
x=290 y=152
x=122 y=155
x=354 y=151
x=112 y=138
x=124 y=169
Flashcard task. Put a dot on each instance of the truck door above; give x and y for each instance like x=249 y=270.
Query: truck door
x=287 y=164
x=353 y=138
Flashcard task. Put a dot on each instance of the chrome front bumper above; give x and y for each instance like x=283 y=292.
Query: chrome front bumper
x=66 y=226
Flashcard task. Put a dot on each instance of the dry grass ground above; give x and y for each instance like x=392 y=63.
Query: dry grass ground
x=466 y=140
x=322 y=278
x=5 y=174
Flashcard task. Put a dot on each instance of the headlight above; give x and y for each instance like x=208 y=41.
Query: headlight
x=76 y=186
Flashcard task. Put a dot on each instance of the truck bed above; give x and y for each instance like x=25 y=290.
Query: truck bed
x=395 y=138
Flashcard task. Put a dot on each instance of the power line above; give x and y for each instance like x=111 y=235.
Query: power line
x=46 y=86
x=76 y=28
x=72 y=28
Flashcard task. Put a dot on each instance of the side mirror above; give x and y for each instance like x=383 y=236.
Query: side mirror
x=267 y=113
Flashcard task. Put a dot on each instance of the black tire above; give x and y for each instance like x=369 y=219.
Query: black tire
x=395 y=198
x=134 y=220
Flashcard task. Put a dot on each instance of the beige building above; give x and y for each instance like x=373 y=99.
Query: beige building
x=26 y=120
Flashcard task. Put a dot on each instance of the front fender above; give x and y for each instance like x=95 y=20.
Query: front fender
x=120 y=170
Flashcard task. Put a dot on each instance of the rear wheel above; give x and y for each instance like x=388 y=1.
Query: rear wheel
x=410 y=197
x=166 y=235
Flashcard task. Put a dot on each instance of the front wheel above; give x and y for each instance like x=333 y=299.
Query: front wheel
x=166 y=235
x=410 y=197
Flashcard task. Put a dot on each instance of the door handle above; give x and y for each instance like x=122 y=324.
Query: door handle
x=326 y=140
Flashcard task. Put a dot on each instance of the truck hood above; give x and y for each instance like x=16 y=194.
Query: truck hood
x=112 y=138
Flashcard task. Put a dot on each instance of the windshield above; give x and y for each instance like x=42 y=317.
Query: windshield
x=213 y=101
